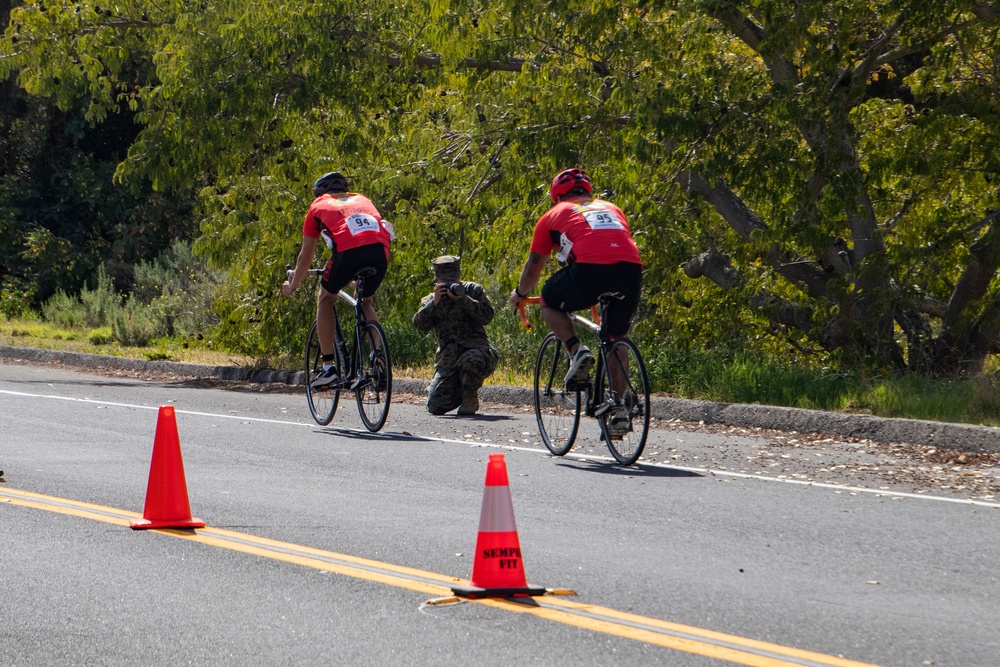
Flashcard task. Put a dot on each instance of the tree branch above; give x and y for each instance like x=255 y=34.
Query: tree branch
x=715 y=266
x=980 y=269
x=745 y=222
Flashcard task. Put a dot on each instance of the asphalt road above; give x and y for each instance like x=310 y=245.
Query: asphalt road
x=706 y=555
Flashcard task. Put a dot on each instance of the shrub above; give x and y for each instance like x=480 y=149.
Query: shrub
x=134 y=324
x=64 y=311
x=100 y=303
x=101 y=336
x=180 y=289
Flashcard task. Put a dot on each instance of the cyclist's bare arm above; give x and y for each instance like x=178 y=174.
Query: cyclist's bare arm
x=530 y=275
x=301 y=265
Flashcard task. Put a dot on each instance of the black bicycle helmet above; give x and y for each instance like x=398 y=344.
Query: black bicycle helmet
x=331 y=182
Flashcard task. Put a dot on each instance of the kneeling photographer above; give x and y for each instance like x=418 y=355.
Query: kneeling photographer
x=458 y=313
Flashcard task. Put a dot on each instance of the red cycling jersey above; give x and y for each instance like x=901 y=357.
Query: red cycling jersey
x=345 y=222
x=589 y=231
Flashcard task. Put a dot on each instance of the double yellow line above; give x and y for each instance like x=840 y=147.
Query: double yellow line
x=689 y=639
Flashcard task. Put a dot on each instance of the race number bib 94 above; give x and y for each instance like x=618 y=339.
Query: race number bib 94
x=601 y=218
x=360 y=223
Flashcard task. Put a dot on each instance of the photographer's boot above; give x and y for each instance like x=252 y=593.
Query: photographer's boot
x=470 y=404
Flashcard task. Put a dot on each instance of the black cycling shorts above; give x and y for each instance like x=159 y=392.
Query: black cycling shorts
x=342 y=267
x=579 y=286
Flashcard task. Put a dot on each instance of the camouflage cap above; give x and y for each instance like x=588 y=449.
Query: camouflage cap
x=446 y=267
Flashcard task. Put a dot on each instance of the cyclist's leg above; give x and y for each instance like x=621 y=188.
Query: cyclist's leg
x=573 y=288
x=335 y=278
x=561 y=294
x=372 y=255
x=625 y=278
x=326 y=320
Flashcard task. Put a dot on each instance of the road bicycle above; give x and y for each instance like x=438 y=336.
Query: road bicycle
x=366 y=362
x=617 y=394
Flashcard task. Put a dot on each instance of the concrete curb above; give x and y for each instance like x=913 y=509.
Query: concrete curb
x=983 y=439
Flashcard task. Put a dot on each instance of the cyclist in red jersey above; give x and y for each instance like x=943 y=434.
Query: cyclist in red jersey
x=354 y=230
x=595 y=246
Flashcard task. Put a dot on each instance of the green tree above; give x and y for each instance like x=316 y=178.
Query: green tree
x=61 y=214
x=829 y=168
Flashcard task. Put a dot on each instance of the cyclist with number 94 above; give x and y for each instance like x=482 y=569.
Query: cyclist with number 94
x=354 y=230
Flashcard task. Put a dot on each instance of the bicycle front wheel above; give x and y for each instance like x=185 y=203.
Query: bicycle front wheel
x=374 y=388
x=322 y=400
x=623 y=402
x=556 y=409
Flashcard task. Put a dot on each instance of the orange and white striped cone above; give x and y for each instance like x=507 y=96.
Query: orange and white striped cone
x=497 y=569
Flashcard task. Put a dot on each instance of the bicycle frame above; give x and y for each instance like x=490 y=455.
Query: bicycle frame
x=352 y=363
x=590 y=408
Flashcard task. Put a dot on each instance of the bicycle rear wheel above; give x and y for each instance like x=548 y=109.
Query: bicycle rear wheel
x=623 y=402
x=374 y=388
x=323 y=400
x=556 y=409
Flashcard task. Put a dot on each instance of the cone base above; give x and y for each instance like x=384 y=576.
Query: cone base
x=143 y=524
x=476 y=593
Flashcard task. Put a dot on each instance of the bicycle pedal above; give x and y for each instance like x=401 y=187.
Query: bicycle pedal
x=360 y=383
x=602 y=409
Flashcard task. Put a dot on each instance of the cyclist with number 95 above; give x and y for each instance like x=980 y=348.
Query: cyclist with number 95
x=599 y=255
x=354 y=230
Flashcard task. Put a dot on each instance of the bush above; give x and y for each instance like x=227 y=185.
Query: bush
x=134 y=324
x=92 y=309
x=64 y=311
x=100 y=303
x=101 y=336
x=180 y=289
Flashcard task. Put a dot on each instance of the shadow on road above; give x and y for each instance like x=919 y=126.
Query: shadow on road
x=476 y=418
x=638 y=470
x=359 y=434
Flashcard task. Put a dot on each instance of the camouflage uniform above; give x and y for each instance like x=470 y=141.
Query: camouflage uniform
x=464 y=356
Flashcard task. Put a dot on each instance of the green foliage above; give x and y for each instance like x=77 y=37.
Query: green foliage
x=135 y=325
x=842 y=157
x=180 y=289
x=172 y=298
x=101 y=336
x=93 y=308
x=64 y=310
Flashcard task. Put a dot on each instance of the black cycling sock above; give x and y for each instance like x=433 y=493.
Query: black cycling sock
x=570 y=342
x=329 y=357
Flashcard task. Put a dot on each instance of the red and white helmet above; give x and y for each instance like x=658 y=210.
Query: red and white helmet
x=567 y=180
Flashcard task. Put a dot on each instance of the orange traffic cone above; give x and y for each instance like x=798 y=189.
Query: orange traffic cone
x=166 y=494
x=497 y=569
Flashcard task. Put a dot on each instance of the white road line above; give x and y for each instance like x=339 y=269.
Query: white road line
x=584 y=457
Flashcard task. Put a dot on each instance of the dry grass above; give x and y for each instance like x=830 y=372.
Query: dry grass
x=30 y=333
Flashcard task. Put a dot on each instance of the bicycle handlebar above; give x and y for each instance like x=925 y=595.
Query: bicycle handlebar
x=594 y=324
x=520 y=309
x=289 y=271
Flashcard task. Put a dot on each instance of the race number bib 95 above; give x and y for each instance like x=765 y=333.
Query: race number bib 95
x=360 y=223
x=602 y=218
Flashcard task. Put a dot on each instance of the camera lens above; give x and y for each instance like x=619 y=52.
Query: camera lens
x=457 y=289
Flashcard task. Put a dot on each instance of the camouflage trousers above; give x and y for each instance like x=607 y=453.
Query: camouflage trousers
x=451 y=383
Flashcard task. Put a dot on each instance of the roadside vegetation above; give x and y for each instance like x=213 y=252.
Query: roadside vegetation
x=814 y=187
x=63 y=325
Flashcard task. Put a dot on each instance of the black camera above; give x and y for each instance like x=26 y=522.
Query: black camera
x=456 y=289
